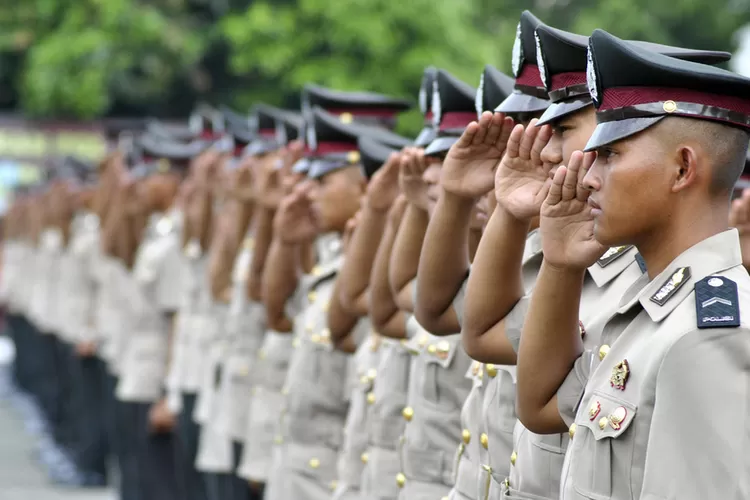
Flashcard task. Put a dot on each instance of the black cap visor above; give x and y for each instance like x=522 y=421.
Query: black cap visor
x=609 y=132
x=558 y=110
x=440 y=146
x=518 y=102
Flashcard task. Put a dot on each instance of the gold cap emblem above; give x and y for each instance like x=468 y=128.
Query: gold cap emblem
x=670 y=106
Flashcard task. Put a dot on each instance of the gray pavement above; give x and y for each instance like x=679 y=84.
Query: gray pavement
x=21 y=477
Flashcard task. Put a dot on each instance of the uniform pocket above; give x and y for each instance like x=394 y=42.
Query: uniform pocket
x=602 y=434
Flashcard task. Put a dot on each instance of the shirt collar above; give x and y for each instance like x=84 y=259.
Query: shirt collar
x=602 y=272
x=711 y=256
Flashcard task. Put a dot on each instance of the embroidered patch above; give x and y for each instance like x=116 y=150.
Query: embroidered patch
x=612 y=255
x=641 y=262
x=670 y=287
x=717 y=303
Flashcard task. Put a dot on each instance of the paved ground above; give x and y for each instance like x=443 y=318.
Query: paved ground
x=21 y=478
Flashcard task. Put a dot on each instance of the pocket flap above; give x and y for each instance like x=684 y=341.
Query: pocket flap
x=606 y=416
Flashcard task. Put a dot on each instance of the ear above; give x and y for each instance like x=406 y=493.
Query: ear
x=686 y=168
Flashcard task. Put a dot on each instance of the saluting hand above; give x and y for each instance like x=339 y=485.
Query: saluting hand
x=567 y=226
x=413 y=165
x=739 y=217
x=295 y=221
x=383 y=188
x=521 y=176
x=469 y=168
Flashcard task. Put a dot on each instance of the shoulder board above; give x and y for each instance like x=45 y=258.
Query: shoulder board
x=612 y=255
x=717 y=303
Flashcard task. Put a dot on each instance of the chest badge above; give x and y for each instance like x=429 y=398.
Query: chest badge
x=617 y=417
x=620 y=375
x=670 y=287
x=594 y=410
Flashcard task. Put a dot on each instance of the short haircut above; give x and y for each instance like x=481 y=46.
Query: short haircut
x=726 y=145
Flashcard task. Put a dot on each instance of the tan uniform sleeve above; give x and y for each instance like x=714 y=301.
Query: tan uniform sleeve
x=697 y=444
x=170 y=284
x=514 y=321
x=459 y=301
x=570 y=393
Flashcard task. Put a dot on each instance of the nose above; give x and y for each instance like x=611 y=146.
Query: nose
x=432 y=174
x=552 y=152
x=592 y=180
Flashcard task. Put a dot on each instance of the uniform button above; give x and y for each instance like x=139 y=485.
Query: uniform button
x=423 y=341
x=445 y=498
x=372 y=373
x=285 y=391
x=314 y=463
x=603 y=351
x=364 y=457
x=364 y=380
x=317 y=271
x=334 y=485
x=491 y=370
x=326 y=306
x=278 y=439
x=513 y=457
x=466 y=436
x=603 y=422
x=315 y=338
x=485 y=440
x=312 y=296
x=432 y=348
x=408 y=413
x=310 y=326
x=262 y=354
x=572 y=430
x=507 y=482
x=295 y=343
x=370 y=398
x=400 y=479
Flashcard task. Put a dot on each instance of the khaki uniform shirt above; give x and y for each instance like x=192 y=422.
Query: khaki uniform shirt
x=438 y=388
x=78 y=294
x=46 y=276
x=245 y=326
x=157 y=283
x=664 y=405
x=362 y=374
x=263 y=437
x=532 y=453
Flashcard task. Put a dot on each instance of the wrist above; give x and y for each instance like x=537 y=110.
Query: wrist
x=456 y=201
x=564 y=273
x=376 y=209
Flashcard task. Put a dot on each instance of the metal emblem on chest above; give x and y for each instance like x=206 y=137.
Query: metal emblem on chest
x=620 y=375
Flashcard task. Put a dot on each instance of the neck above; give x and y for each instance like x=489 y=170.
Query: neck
x=663 y=245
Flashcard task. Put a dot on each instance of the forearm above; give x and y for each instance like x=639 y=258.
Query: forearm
x=495 y=284
x=360 y=256
x=407 y=248
x=280 y=278
x=443 y=263
x=550 y=344
x=382 y=305
x=263 y=235
x=341 y=322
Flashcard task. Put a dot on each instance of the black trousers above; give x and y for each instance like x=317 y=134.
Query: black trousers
x=69 y=400
x=193 y=482
x=89 y=380
x=123 y=433
x=156 y=458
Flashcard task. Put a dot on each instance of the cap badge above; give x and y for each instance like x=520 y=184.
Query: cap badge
x=591 y=77
x=674 y=283
x=437 y=110
x=346 y=118
x=594 y=410
x=669 y=106
x=517 y=56
x=612 y=254
x=617 y=417
x=479 y=98
x=353 y=157
x=540 y=61
x=163 y=166
x=620 y=375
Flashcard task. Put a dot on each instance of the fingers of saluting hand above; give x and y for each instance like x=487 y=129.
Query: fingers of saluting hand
x=554 y=196
x=514 y=141
x=506 y=129
x=468 y=137
x=496 y=122
x=485 y=123
x=527 y=141
x=588 y=160
x=570 y=184
x=540 y=141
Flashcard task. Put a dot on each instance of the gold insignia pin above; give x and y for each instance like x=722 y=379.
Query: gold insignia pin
x=594 y=410
x=617 y=417
x=669 y=106
x=353 y=157
x=346 y=117
x=620 y=375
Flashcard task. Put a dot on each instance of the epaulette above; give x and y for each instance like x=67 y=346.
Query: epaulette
x=717 y=303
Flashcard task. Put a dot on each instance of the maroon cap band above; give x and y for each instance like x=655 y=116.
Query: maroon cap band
x=334 y=147
x=633 y=96
x=456 y=120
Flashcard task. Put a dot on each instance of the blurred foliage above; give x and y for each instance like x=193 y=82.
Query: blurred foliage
x=89 y=58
